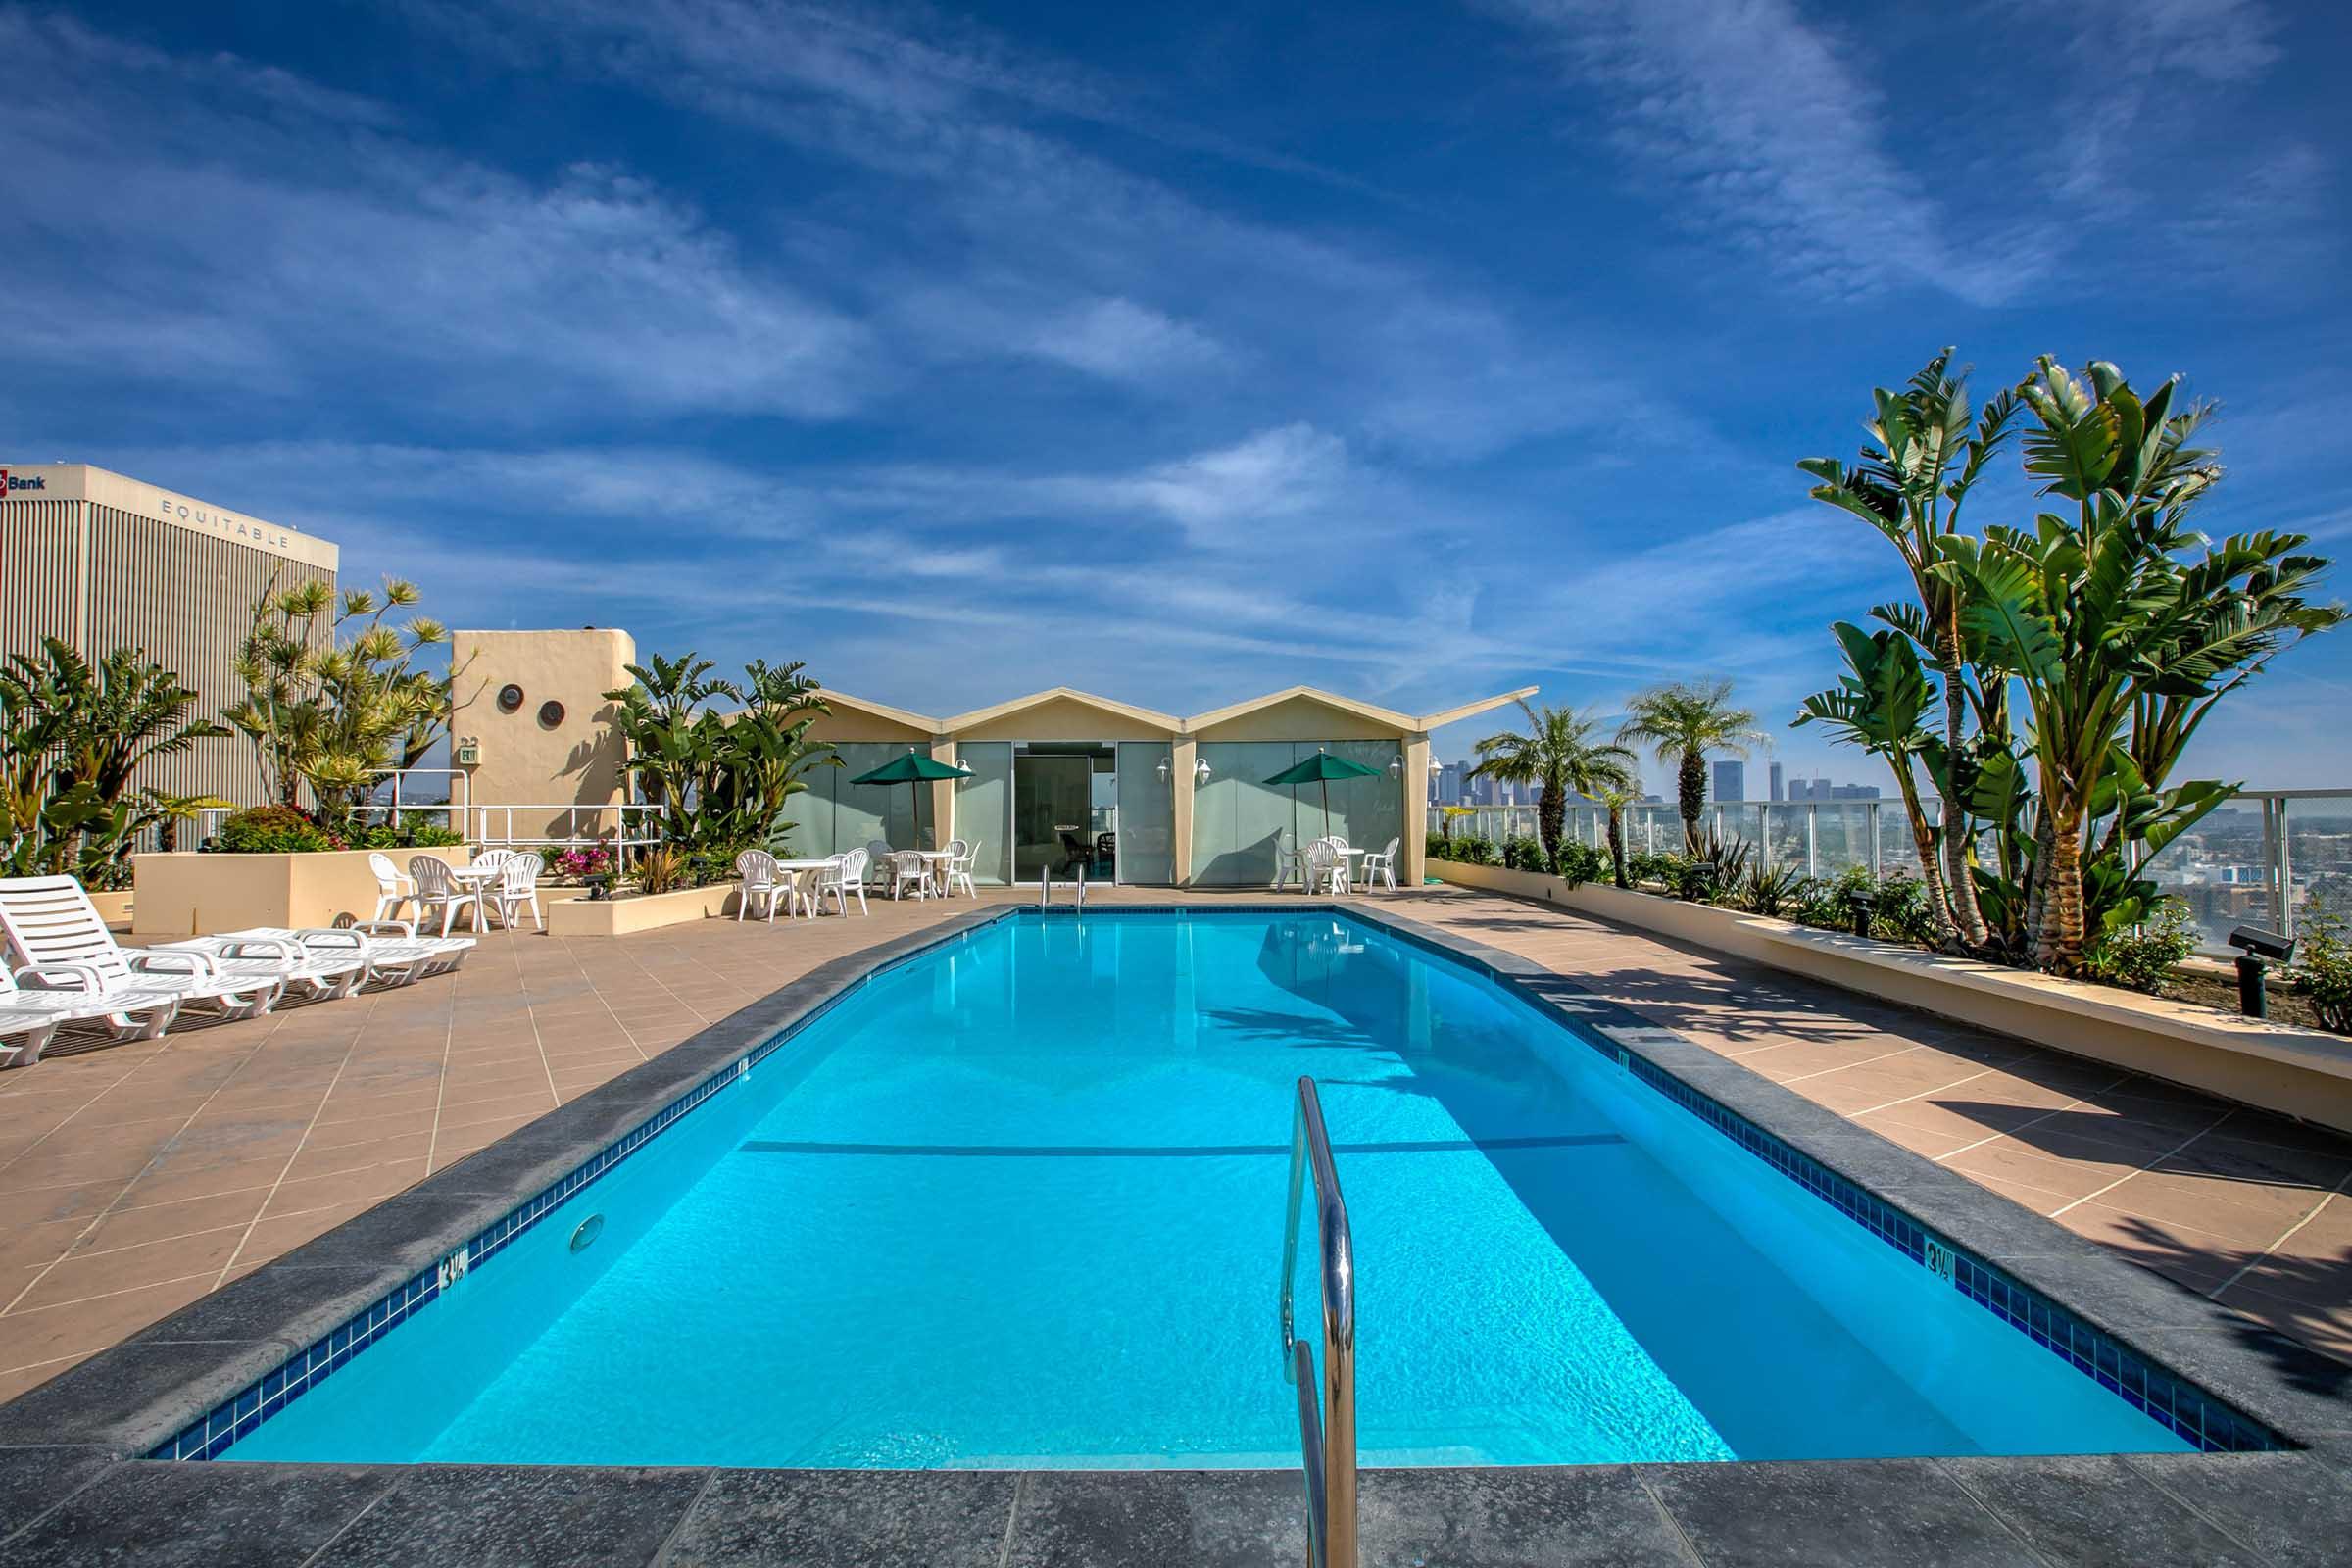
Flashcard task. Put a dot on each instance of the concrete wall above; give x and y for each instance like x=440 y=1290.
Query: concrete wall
x=189 y=895
x=621 y=917
x=526 y=760
x=2296 y=1072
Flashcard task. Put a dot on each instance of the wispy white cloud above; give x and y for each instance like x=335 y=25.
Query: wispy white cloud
x=279 y=246
x=1771 y=134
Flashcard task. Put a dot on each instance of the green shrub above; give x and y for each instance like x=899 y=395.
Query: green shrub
x=409 y=835
x=1475 y=852
x=1579 y=863
x=1525 y=853
x=2324 y=970
x=2144 y=957
x=1698 y=880
x=274 y=830
x=1776 y=893
x=1826 y=902
x=1650 y=865
x=1438 y=847
x=1900 y=913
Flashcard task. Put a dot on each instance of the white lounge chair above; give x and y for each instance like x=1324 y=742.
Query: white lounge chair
x=315 y=975
x=1382 y=867
x=31 y=1016
x=436 y=889
x=55 y=937
x=517 y=889
x=394 y=888
x=763 y=884
x=391 y=950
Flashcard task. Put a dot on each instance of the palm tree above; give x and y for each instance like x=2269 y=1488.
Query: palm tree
x=1615 y=801
x=1879 y=707
x=1558 y=753
x=1684 y=722
x=1922 y=460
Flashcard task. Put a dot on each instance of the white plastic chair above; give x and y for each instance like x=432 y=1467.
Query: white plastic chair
x=960 y=868
x=879 y=862
x=763 y=884
x=844 y=874
x=393 y=888
x=55 y=937
x=1326 y=867
x=436 y=889
x=909 y=869
x=1382 y=867
x=517 y=889
x=1288 y=862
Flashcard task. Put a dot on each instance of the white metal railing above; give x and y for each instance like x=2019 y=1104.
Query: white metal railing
x=2275 y=857
x=632 y=825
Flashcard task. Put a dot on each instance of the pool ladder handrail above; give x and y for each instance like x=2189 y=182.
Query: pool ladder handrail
x=1326 y=1436
x=1045 y=887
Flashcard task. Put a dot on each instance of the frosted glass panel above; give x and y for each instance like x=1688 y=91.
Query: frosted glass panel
x=862 y=812
x=1146 y=814
x=983 y=804
x=1365 y=811
x=1237 y=818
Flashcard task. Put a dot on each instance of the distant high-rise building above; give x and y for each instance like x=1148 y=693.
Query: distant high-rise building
x=1731 y=779
x=1450 y=783
x=1854 y=792
x=1779 y=785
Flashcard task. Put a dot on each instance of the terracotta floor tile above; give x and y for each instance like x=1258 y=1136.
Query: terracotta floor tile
x=133 y=1226
x=80 y=1275
x=369 y=1182
x=2019 y=1164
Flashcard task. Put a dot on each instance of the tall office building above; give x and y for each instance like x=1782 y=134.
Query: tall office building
x=102 y=561
x=1731 y=779
x=1779 y=785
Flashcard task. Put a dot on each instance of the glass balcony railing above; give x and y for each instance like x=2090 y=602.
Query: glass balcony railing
x=2269 y=858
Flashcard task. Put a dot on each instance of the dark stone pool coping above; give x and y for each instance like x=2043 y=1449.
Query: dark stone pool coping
x=71 y=1491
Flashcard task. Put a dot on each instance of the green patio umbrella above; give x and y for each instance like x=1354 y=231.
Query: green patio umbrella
x=911 y=770
x=1321 y=769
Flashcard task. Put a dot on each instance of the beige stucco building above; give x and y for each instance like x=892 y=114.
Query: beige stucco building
x=1054 y=778
x=104 y=561
x=533 y=732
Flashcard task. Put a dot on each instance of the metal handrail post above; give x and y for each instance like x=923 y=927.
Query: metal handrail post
x=1326 y=1445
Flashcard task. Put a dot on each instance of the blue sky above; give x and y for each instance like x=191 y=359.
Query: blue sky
x=1176 y=353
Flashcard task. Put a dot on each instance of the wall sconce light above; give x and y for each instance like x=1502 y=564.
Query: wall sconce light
x=1162 y=770
x=1397 y=766
x=1201 y=771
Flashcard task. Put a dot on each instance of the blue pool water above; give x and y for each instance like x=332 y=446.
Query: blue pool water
x=1021 y=1203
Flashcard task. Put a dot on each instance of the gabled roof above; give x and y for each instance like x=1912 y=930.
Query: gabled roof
x=1346 y=704
x=1450 y=715
x=1404 y=724
x=1067 y=694
x=897 y=716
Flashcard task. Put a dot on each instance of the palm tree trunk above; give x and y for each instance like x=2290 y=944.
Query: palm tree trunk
x=1959 y=882
x=1922 y=840
x=1692 y=791
x=1617 y=846
x=2058 y=946
x=1552 y=813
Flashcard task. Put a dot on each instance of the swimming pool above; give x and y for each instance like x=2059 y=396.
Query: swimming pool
x=1019 y=1202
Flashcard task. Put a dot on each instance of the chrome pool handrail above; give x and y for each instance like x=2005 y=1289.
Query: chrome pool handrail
x=1326 y=1438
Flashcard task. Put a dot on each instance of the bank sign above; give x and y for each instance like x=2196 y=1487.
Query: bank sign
x=20 y=484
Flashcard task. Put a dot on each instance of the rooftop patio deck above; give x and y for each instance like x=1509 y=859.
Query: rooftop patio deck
x=136 y=1178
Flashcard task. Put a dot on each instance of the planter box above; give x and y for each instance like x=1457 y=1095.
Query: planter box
x=621 y=917
x=2302 y=1074
x=113 y=908
x=186 y=894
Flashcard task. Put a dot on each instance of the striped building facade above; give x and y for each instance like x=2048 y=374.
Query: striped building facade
x=103 y=561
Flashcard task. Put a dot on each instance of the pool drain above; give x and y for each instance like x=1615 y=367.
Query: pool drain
x=589 y=1230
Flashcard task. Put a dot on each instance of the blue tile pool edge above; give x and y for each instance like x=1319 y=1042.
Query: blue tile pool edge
x=2198 y=1417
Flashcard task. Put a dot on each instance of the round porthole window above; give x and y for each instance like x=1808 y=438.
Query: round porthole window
x=551 y=714
x=510 y=698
